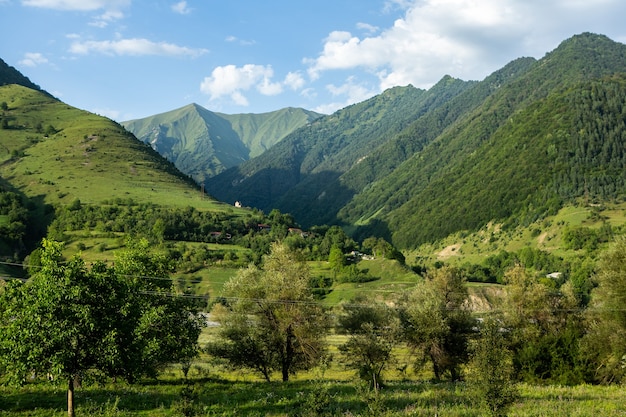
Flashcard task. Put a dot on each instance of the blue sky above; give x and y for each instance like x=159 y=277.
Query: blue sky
x=128 y=59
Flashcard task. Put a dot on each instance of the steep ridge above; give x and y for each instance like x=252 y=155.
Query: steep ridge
x=523 y=153
x=202 y=143
x=314 y=156
x=451 y=100
x=260 y=131
x=9 y=75
x=199 y=142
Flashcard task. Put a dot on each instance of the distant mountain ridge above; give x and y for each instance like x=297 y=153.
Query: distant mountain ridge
x=507 y=149
x=202 y=143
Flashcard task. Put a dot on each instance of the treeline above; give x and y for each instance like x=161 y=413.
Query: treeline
x=255 y=231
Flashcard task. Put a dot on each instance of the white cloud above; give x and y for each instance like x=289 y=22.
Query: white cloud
x=32 y=59
x=181 y=7
x=366 y=27
x=294 y=80
x=112 y=8
x=135 y=47
x=232 y=81
x=464 y=38
x=241 y=42
x=268 y=88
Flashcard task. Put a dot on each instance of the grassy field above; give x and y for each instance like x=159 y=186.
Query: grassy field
x=213 y=396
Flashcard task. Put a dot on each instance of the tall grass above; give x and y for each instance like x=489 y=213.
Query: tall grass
x=222 y=397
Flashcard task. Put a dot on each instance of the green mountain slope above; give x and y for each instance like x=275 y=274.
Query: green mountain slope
x=261 y=131
x=202 y=143
x=54 y=153
x=295 y=174
x=547 y=138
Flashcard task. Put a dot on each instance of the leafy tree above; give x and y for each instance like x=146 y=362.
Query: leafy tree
x=336 y=237
x=336 y=260
x=437 y=322
x=373 y=330
x=60 y=322
x=272 y=322
x=161 y=327
x=491 y=369
x=380 y=247
x=606 y=318
x=73 y=322
x=545 y=325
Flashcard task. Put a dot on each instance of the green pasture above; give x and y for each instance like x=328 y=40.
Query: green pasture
x=545 y=234
x=220 y=397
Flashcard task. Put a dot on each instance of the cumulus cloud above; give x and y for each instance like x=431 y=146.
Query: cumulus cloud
x=232 y=81
x=294 y=80
x=32 y=59
x=134 y=47
x=181 y=7
x=464 y=38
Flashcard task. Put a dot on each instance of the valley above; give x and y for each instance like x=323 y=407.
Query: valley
x=384 y=241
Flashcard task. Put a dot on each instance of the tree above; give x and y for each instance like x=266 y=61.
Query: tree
x=73 y=322
x=437 y=323
x=336 y=260
x=272 y=322
x=604 y=344
x=158 y=327
x=373 y=330
x=545 y=326
x=60 y=322
x=491 y=369
x=336 y=237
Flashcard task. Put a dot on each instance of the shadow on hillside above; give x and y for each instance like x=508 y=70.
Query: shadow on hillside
x=40 y=215
x=312 y=199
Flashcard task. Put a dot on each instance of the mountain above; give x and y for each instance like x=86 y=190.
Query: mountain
x=300 y=168
x=202 y=143
x=53 y=153
x=518 y=145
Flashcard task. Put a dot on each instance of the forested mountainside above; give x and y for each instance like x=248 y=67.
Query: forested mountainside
x=314 y=156
x=202 y=143
x=511 y=148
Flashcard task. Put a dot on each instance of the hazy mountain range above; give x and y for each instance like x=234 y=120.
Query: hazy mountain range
x=202 y=143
